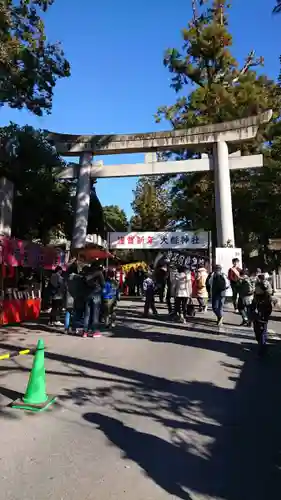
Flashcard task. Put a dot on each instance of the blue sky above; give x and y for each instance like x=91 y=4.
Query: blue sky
x=118 y=80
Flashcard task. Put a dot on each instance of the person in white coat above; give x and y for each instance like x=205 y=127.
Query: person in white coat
x=183 y=290
x=202 y=293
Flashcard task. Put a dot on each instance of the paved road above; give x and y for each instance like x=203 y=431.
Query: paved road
x=158 y=411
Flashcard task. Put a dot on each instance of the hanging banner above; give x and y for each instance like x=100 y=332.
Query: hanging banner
x=191 y=261
x=159 y=240
x=17 y=253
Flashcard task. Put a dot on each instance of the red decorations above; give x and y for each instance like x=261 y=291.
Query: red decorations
x=18 y=310
x=24 y=253
x=149 y=240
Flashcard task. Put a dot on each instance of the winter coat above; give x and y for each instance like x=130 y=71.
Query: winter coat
x=183 y=284
x=218 y=284
x=76 y=291
x=57 y=286
x=234 y=274
x=110 y=289
x=246 y=287
x=148 y=286
x=201 y=282
x=94 y=280
x=263 y=289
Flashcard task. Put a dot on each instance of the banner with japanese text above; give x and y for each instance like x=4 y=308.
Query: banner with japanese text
x=175 y=240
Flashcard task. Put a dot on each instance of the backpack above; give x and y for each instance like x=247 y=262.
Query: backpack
x=247 y=287
x=219 y=283
x=263 y=289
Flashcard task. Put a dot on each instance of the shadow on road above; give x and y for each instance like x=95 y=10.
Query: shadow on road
x=222 y=442
x=218 y=442
x=162 y=461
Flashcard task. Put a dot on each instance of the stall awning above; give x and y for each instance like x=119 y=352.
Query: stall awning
x=94 y=254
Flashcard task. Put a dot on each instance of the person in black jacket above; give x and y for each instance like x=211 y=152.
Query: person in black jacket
x=94 y=280
x=139 y=276
x=76 y=292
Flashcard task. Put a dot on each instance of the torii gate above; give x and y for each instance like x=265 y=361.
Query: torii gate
x=197 y=138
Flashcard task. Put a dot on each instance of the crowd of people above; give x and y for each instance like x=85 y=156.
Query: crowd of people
x=90 y=296
x=252 y=294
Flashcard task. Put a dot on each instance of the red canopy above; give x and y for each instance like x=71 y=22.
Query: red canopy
x=14 y=252
x=94 y=254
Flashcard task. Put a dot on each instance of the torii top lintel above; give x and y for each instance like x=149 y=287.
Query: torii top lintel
x=233 y=131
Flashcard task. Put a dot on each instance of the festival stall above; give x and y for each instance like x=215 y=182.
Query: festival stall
x=22 y=266
x=89 y=254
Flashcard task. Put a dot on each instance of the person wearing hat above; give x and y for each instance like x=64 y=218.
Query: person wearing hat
x=218 y=284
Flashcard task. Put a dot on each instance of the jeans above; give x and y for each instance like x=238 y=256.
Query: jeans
x=245 y=308
x=234 y=289
x=260 y=329
x=217 y=305
x=71 y=318
x=109 y=311
x=149 y=303
x=68 y=316
x=56 y=310
x=180 y=306
x=202 y=301
x=92 y=312
x=169 y=302
x=161 y=291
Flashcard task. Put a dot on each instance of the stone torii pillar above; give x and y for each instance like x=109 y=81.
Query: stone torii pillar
x=223 y=198
x=198 y=138
x=83 y=193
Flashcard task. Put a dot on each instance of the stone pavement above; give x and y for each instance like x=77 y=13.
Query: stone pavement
x=153 y=411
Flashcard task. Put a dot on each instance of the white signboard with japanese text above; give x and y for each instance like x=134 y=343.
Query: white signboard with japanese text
x=224 y=258
x=160 y=240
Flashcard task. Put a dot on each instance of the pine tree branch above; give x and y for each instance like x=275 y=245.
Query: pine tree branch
x=277 y=8
x=250 y=62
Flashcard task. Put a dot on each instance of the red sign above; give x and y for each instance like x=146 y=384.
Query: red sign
x=16 y=253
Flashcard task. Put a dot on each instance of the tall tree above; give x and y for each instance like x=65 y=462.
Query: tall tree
x=150 y=206
x=223 y=91
x=277 y=8
x=30 y=66
x=43 y=206
x=115 y=217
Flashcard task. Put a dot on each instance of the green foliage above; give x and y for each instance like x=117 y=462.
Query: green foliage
x=223 y=91
x=30 y=66
x=115 y=217
x=42 y=205
x=150 y=206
